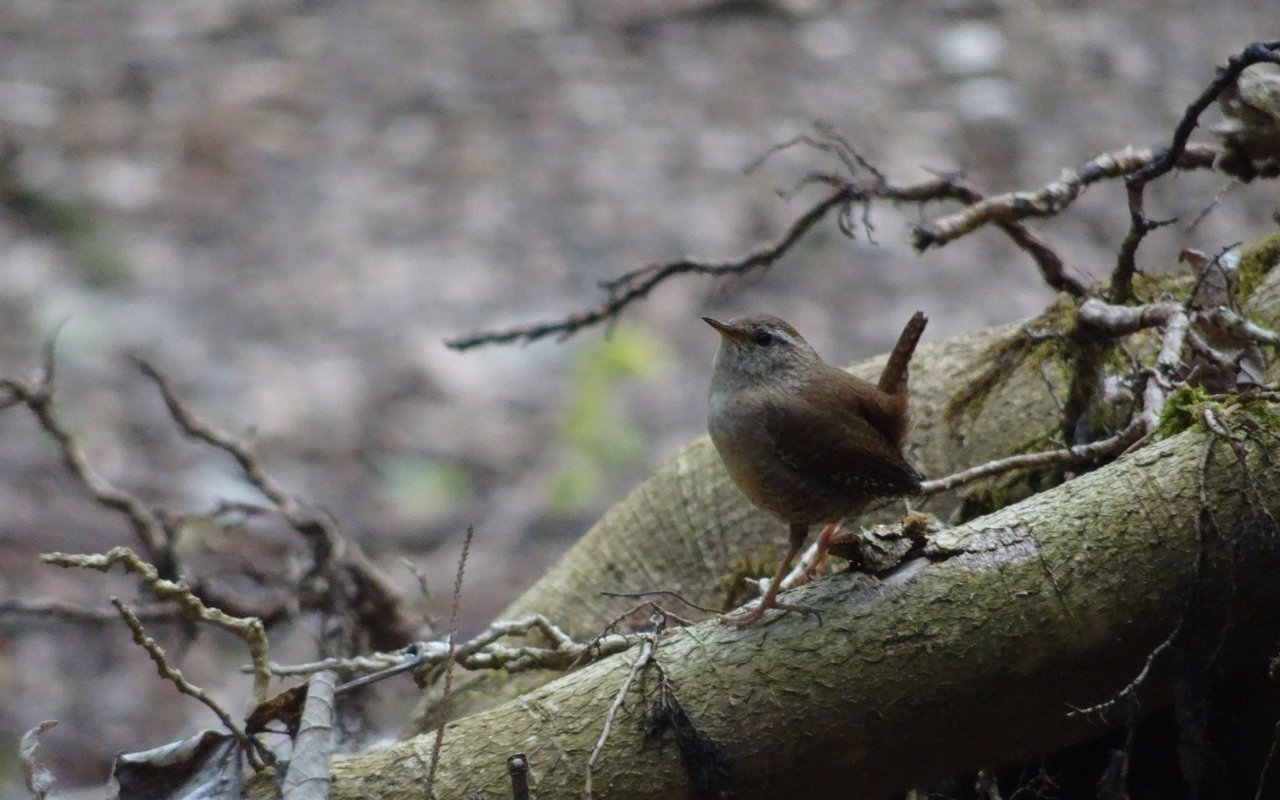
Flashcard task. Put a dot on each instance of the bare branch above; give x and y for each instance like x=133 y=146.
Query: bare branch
x=636 y=285
x=1079 y=454
x=1052 y=198
x=370 y=597
x=17 y=614
x=258 y=755
x=647 y=645
x=1136 y=182
x=450 y=655
x=247 y=629
x=37 y=396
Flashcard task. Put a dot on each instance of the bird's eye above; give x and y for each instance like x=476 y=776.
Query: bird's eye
x=764 y=338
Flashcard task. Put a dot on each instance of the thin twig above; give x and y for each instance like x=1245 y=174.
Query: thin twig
x=1266 y=765
x=449 y=658
x=380 y=611
x=16 y=614
x=1121 y=290
x=481 y=652
x=247 y=629
x=1132 y=687
x=636 y=285
x=258 y=755
x=665 y=593
x=646 y=652
x=37 y=396
x=1067 y=455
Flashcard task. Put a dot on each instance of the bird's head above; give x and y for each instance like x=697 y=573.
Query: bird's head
x=761 y=348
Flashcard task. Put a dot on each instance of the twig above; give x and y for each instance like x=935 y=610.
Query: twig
x=247 y=629
x=257 y=754
x=1266 y=765
x=647 y=644
x=203 y=431
x=15 y=614
x=449 y=658
x=1052 y=198
x=1136 y=182
x=37 y=396
x=665 y=593
x=481 y=652
x=636 y=285
x=380 y=611
x=1067 y=455
x=1131 y=688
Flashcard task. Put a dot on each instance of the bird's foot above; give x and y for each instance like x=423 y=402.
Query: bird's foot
x=811 y=572
x=741 y=619
x=828 y=535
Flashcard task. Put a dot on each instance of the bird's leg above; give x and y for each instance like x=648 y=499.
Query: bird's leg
x=770 y=600
x=820 y=554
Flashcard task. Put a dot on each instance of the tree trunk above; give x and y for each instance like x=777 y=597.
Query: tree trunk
x=966 y=658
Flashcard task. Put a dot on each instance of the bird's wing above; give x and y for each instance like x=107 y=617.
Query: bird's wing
x=835 y=445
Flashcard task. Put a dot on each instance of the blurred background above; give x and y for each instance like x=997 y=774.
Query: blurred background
x=289 y=205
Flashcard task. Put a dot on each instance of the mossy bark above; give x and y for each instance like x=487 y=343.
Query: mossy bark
x=1055 y=600
x=683 y=528
x=969 y=657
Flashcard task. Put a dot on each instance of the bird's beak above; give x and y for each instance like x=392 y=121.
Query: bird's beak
x=725 y=329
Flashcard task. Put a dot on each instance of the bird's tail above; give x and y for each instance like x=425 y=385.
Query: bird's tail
x=893 y=380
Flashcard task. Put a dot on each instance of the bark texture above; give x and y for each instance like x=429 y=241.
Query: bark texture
x=965 y=659
x=969 y=657
x=684 y=526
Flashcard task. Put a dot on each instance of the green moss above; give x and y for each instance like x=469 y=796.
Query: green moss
x=1182 y=410
x=1152 y=287
x=1259 y=408
x=1255 y=262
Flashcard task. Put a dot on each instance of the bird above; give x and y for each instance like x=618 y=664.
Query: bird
x=804 y=440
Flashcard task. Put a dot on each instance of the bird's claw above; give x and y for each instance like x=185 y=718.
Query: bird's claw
x=742 y=619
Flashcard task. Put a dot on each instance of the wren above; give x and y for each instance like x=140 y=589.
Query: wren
x=803 y=440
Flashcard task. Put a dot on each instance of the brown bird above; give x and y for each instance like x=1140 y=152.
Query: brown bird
x=805 y=441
